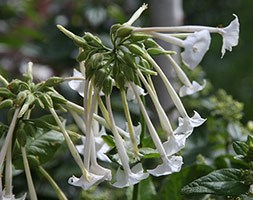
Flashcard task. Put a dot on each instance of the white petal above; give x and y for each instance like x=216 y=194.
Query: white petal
x=172 y=165
x=130 y=92
x=83 y=183
x=174 y=144
x=195 y=87
x=230 y=36
x=77 y=85
x=99 y=170
x=3 y=196
x=186 y=125
x=195 y=47
x=124 y=179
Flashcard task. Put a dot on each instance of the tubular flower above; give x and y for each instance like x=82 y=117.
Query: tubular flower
x=230 y=36
x=195 y=47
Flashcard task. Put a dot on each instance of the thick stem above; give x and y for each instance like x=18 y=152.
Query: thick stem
x=175 y=98
x=31 y=187
x=165 y=123
x=129 y=124
x=57 y=189
x=70 y=144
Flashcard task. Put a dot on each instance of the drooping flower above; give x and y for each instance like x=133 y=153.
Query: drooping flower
x=127 y=178
x=195 y=47
x=230 y=35
x=193 y=88
x=187 y=124
x=83 y=182
x=171 y=165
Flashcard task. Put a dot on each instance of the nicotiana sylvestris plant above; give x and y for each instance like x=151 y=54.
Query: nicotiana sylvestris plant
x=128 y=66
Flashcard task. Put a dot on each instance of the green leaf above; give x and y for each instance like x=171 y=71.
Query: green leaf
x=147 y=190
x=220 y=182
x=149 y=152
x=240 y=148
x=43 y=147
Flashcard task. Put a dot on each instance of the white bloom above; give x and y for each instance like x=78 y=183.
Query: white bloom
x=101 y=147
x=86 y=184
x=195 y=47
x=129 y=178
x=77 y=85
x=136 y=15
x=230 y=36
x=193 y=88
x=130 y=92
x=171 y=165
x=186 y=125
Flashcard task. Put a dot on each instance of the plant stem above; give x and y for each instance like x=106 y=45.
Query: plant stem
x=8 y=137
x=31 y=187
x=57 y=189
x=70 y=145
x=136 y=192
x=8 y=171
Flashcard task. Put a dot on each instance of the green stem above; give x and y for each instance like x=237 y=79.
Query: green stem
x=57 y=189
x=129 y=124
x=8 y=137
x=8 y=171
x=136 y=192
x=31 y=188
x=70 y=144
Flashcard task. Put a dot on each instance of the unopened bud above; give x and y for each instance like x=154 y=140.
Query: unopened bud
x=6 y=103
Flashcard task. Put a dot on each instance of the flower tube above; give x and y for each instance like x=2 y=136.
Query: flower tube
x=129 y=176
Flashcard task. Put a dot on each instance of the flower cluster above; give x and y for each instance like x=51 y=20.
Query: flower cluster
x=128 y=67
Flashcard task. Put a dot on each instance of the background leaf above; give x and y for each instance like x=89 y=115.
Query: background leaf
x=220 y=182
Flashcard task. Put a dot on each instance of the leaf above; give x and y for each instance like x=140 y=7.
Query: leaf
x=146 y=190
x=43 y=147
x=240 y=148
x=149 y=152
x=171 y=186
x=220 y=182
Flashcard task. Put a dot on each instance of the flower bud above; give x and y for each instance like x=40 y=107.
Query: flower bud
x=150 y=43
x=107 y=86
x=123 y=31
x=46 y=100
x=136 y=49
x=158 y=51
x=53 y=81
x=30 y=129
x=57 y=98
x=5 y=93
x=139 y=37
x=29 y=101
x=21 y=97
x=92 y=40
x=6 y=103
x=100 y=76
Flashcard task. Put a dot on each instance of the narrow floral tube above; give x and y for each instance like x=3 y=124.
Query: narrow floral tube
x=127 y=177
x=165 y=123
x=169 y=164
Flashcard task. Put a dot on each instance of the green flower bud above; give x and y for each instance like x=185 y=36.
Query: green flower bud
x=53 y=81
x=29 y=101
x=92 y=40
x=100 y=76
x=159 y=51
x=38 y=103
x=79 y=41
x=21 y=97
x=46 y=100
x=5 y=93
x=21 y=136
x=150 y=43
x=6 y=103
x=136 y=49
x=123 y=31
x=139 y=37
x=107 y=86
